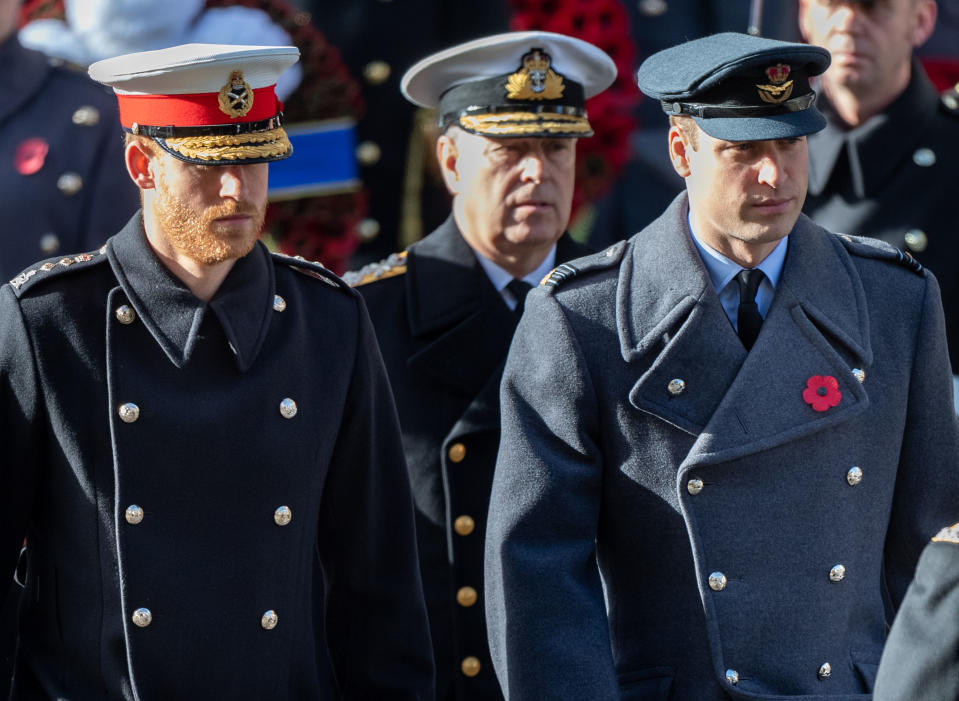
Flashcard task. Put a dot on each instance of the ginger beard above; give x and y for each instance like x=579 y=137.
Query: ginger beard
x=196 y=234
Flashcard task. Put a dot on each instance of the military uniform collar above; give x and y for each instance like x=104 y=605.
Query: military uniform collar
x=875 y=148
x=19 y=85
x=172 y=313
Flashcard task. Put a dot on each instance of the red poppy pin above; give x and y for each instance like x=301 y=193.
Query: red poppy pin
x=822 y=393
x=30 y=156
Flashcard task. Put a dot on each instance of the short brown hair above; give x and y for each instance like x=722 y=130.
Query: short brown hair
x=688 y=127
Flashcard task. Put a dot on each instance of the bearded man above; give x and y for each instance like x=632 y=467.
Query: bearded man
x=211 y=483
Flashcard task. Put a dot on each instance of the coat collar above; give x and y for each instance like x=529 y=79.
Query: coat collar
x=452 y=305
x=29 y=71
x=672 y=326
x=173 y=315
x=876 y=148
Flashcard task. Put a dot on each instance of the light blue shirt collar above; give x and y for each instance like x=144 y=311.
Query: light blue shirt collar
x=500 y=278
x=722 y=270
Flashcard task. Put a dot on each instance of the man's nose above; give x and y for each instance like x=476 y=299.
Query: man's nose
x=231 y=185
x=533 y=167
x=769 y=172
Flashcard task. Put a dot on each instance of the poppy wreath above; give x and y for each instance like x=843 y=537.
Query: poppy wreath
x=604 y=23
x=318 y=228
x=822 y=392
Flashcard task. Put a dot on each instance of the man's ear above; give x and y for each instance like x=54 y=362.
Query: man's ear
x=926 y=13
x=139 y=165
x=679 y=151
x=447 y=155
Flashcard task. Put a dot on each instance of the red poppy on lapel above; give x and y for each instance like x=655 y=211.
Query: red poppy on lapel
x=822 y=393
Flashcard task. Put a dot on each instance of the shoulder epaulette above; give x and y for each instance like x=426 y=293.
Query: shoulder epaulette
x=48 y=269
x=949 y=100
x=313 y=268
x=947 y=535
x=389 y=267
x=876 y=248
x=565 y=272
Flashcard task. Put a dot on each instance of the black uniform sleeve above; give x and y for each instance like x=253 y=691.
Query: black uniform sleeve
x=376 y=616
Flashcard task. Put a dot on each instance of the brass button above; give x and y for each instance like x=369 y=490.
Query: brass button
x=125 y=314
x=377 y=72
x=859 y=374
x=279 y=304
x=134 y=514
x=470 y=666
x=824 y=670
x=368 y=229
x=717 y=581
x=457 y=452
x=924 y=157
x=466 y=596
x=86 y=116
x=269 y=620
x=837 y=573
x=854 y=476
x=288 y=408
x=694 y=486
x=652 y=8
x=732 y=676
x=368 y=153
x=464 y=525
x=128 y=412
x=142 y=617
x=916 y=240
x=676 y=387
x=49 y=244
x=282 y=516
x=70 y=183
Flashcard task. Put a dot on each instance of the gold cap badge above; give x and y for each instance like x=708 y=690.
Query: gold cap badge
x=779 y=88
x=236 y=97
x=535 y=80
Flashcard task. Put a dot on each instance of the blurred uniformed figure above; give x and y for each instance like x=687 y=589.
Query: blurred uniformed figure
x=210 y=482
x=724 y=440
x=511 y=107
x=884 y=163
x=62 y=185
x=921 y=658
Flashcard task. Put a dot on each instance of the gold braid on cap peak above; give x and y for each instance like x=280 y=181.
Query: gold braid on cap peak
x=513 y=123
x=233 y=147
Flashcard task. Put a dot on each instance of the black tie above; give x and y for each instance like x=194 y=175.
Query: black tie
x=519 y=288
x=748 y=320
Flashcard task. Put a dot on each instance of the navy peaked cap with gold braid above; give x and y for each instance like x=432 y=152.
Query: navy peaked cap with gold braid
x=516 y=84
x=738 y=87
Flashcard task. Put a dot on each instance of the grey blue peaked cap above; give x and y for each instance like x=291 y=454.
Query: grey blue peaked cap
x=738 y=87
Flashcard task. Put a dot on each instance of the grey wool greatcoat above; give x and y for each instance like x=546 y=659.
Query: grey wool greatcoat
x=444 y=332
x=748 y=546
x=173 y=501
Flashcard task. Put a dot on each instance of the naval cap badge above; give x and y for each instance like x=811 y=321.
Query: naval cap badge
x=235 y=97
x=535 y=80
x=779 y=88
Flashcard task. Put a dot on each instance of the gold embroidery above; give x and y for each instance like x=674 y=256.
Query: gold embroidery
x=535 y=80
x=236 y=96
x=780 y=89
x=233 y=147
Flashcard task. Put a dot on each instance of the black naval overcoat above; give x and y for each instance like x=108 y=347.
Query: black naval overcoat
x=444 y=332
x=921 y=658
x=179 y=468
x=748 y=545
x=63 y=187
x=894 y=178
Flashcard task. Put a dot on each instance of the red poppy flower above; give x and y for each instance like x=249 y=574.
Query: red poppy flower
x=822 y=393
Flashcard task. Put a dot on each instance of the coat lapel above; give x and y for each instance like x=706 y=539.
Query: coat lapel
x=816 y=325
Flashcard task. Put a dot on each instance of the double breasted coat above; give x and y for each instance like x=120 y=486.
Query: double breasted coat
x=63 y=187
x=213 y=495
x=671 y=518
x=444 y=332
x=893 y=178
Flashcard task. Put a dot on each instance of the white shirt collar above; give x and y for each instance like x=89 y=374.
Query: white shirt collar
x=500 y=278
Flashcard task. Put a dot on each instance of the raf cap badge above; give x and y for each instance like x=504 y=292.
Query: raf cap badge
x=236 y=97
x=535 y=80
x=779 y=88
